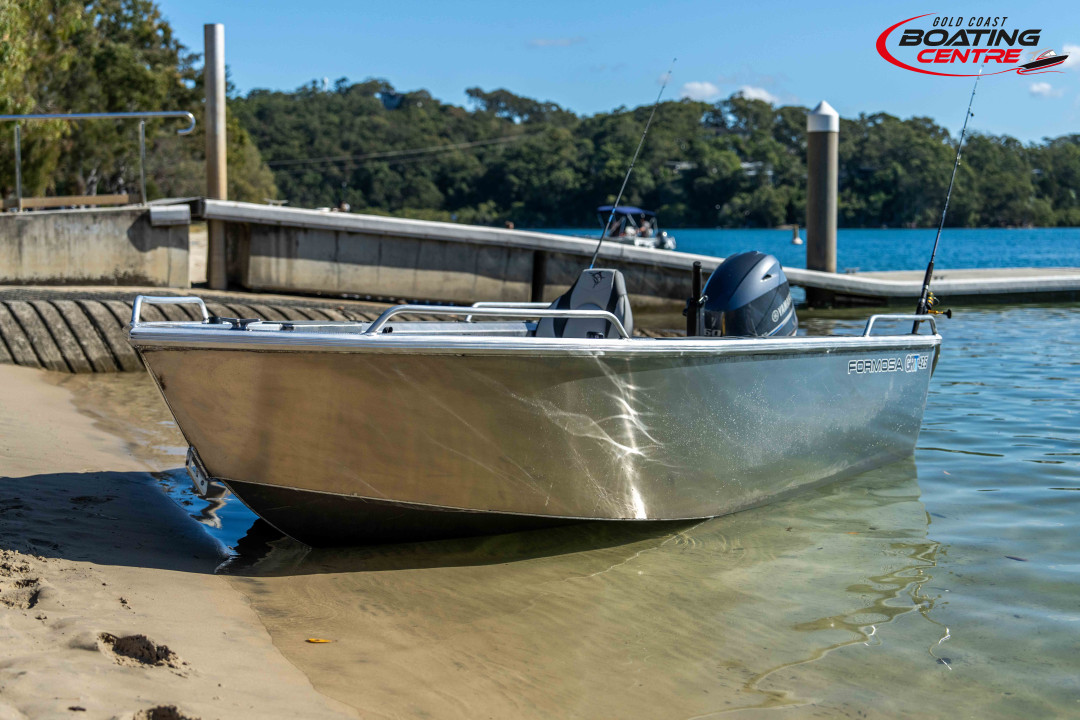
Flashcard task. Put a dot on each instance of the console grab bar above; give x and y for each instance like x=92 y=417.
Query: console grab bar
x=380 y=321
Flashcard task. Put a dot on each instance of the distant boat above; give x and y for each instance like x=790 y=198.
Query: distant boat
x=1045 y=60
x=634 y=226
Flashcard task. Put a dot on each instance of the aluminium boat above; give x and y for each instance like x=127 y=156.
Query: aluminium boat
x=520 y=415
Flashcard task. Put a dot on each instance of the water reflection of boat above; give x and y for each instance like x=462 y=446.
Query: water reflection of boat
x=633 y=226
x=731 y=613
x=390 y=430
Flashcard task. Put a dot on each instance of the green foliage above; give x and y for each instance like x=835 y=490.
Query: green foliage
x=107 y=56
x=736 y=163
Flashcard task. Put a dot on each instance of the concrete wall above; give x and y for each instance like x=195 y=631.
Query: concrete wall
x=292 y=250
x=105 y=246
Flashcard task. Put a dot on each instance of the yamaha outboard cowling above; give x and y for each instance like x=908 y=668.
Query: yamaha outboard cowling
x=748 y=296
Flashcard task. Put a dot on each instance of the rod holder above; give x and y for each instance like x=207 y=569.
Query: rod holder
x=695 y=306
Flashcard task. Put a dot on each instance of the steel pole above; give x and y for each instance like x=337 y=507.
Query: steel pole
x=142 y=159
x=18 y=170
x=822 y=175
x=216 y=171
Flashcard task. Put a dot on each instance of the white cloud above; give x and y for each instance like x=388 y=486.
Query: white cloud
x=699 y=90
x=751 y=92
x=1073 y=51
x=1044 y=89
x=556 y=42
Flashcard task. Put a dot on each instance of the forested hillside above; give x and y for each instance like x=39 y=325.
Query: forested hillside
x=501 y=157
x=736 y=163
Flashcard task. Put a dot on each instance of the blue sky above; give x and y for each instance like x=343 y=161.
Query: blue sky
x=595 y=56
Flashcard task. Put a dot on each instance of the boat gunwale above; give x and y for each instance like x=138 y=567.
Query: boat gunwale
x=195 y=336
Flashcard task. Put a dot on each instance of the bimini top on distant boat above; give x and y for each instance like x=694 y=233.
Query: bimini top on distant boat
x=1045 y=60
x=634 y=226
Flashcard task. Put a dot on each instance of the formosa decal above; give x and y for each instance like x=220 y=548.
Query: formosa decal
x=962 y=46
x=910 y=363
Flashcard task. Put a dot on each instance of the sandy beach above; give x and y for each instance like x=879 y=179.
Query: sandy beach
x=108 y=602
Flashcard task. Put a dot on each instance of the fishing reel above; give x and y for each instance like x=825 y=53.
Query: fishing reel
x=931 y=301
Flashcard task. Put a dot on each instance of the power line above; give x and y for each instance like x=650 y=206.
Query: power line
x=399 y=153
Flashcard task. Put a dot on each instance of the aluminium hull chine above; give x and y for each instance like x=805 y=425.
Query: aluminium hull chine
x=340 y=438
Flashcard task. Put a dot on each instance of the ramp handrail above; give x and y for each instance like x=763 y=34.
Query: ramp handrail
x=915 y=318
x=109 y=116
x=140 y=116
x=380 y=321
x=140 y=300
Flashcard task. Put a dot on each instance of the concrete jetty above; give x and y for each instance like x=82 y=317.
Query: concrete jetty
x=296 y=251
x=292 y=250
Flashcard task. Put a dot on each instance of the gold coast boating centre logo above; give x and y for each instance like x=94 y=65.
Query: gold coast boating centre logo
x=959 y=46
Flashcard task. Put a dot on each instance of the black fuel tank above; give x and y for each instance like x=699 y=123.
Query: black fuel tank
x=748 y=296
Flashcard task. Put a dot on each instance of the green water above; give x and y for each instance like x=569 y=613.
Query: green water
x=943 y=586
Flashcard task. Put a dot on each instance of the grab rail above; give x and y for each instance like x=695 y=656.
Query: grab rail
x=136 y=308
x=916 y=318
x=380 y=321
x=508 y=304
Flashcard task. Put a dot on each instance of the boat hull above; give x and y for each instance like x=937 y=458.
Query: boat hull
x=331 y=443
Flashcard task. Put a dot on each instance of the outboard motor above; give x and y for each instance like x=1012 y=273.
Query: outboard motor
x=748 y=296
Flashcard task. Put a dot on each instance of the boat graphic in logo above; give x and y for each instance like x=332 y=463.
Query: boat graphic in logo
x=1045 y=59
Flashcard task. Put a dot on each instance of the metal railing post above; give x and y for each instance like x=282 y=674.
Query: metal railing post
x=142 y=159
x=18 y=170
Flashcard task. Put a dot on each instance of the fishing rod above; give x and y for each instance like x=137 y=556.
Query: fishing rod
x=926 y=298
x=611 y=217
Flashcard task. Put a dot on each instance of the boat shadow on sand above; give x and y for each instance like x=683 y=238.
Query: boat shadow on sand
x=124 y=518
x=106 y=518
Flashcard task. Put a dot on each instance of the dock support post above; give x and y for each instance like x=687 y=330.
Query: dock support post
x=216 y=168
x=142 y=159
x=18 y=169
x=539 y=276
x=822 y=174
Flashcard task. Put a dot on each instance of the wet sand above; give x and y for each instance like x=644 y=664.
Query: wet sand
x=93 y=553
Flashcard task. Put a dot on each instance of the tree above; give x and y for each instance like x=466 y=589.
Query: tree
x=109 y=56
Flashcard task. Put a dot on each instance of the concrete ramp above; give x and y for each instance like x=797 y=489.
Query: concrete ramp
x=84 y=330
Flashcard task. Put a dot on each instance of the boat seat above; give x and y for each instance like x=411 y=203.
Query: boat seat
x=596 y=289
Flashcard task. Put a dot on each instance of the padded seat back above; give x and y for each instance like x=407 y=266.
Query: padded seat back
x=596 y=289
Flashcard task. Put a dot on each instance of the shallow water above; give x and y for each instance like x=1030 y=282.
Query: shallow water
x=946 y=585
